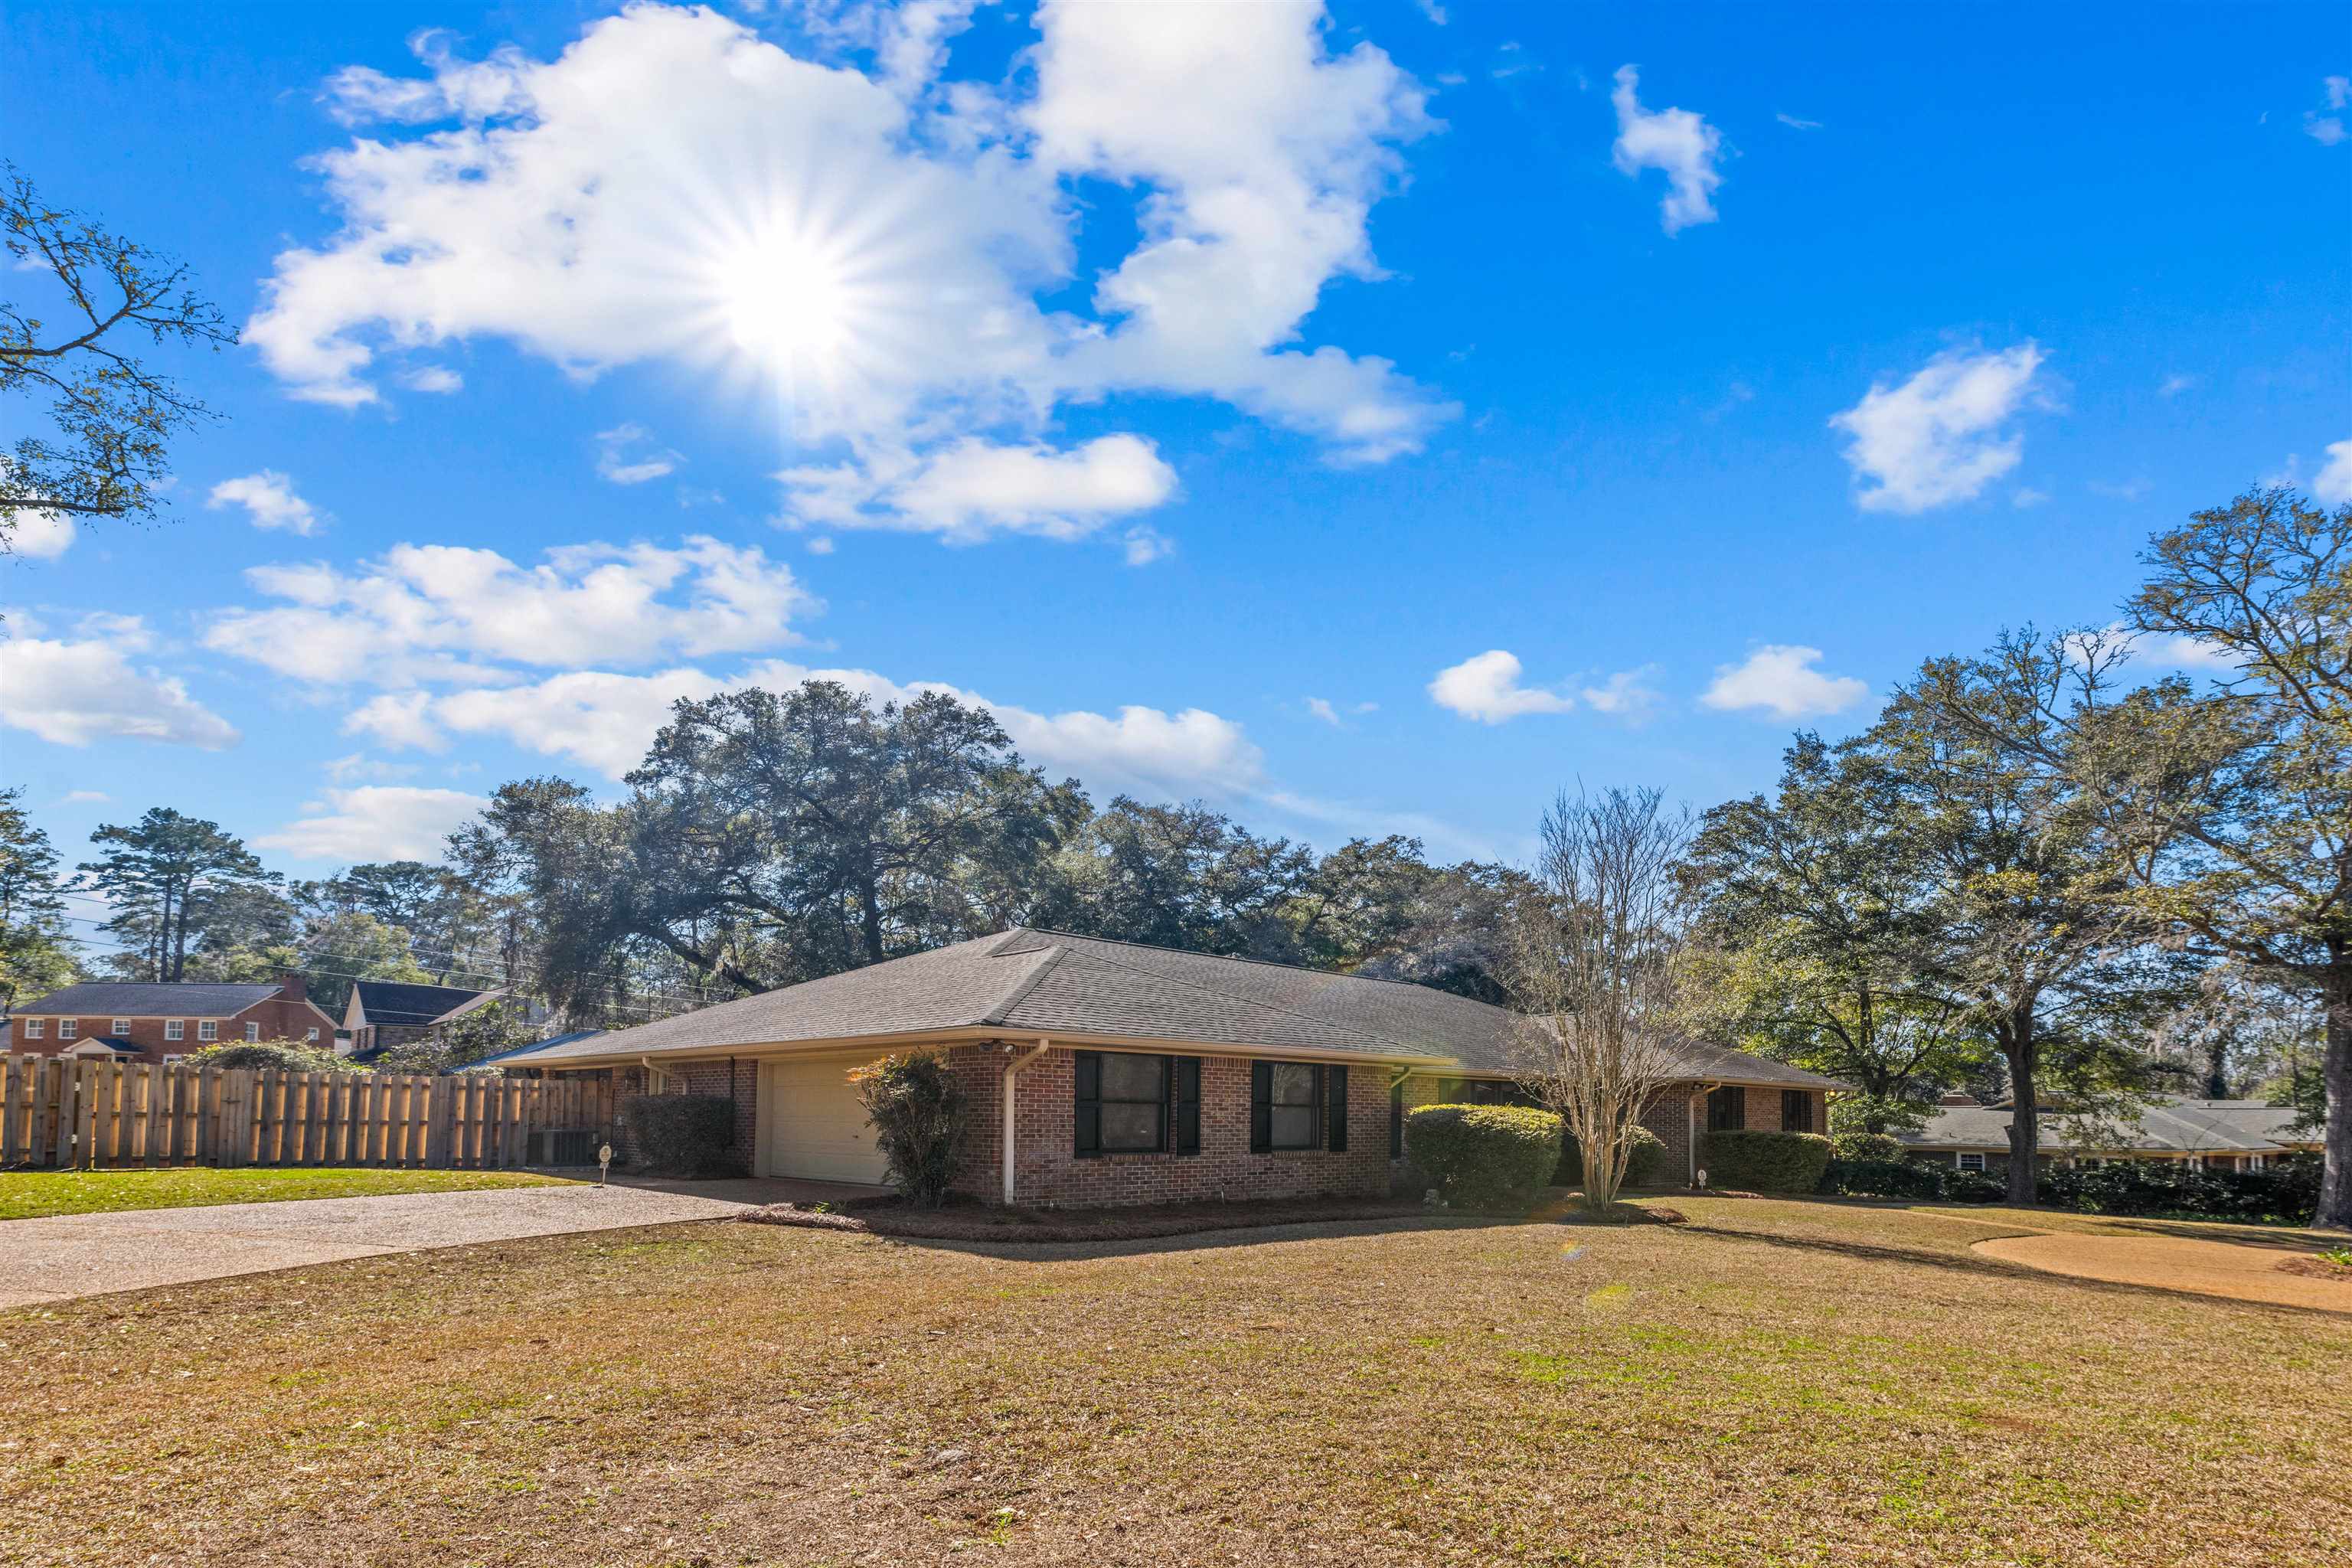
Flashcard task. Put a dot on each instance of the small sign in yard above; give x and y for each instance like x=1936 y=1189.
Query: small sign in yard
x=603 y=1162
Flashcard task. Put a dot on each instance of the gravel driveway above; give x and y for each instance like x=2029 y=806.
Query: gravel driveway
x=55 y=1259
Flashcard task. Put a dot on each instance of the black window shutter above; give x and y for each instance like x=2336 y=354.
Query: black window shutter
x=1261 y=1106
x=1185 y=1083
x=1087 y=1137
x=1335 y=1096
x=1396 y=1119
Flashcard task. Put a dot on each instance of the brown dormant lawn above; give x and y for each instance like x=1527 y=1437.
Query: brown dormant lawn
x=1775 y=1383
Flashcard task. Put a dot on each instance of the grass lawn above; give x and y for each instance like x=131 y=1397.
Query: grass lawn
x=30 y=1195
x=1776 y=1383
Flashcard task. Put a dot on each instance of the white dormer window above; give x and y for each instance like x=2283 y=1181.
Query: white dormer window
x=35 y=1028
x=208 y=1029
x=252 y=1032
x=122 y=1026
x=68 y=1027
x=175 y=1028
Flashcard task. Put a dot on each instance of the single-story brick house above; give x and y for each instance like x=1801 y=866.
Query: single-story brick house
x=137 y=1020
x=2204 y=1134
x=1105 y=1072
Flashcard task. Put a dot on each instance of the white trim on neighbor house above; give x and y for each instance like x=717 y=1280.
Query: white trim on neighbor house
x=252 y=1033
x=964 y=1034
x=1960 y=1161
x=68 y=1027
x=175 y=1028
x=122 y=1026
x=208 y=1029
x=35 y=1028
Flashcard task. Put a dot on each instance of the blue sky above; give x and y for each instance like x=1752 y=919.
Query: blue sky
x=1362 y=422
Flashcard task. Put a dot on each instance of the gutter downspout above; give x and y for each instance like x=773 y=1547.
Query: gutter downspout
x=1011 y=1073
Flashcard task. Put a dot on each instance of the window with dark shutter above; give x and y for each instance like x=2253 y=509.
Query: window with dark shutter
x=1335 y=1102
x=1185 y=1085
x=1294 y=1105
x=1796 y=1111
x=1261 y=1106
x=1396 y=1119
x=1128 y=1103
x=1726 y=1109
x=1088 y=1137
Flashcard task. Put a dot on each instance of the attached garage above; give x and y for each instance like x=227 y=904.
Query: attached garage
x=811 y=1125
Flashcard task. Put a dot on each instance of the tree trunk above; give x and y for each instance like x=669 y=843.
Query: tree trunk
x=870 y=922
x=2336 y=1142
x=2020 y=1049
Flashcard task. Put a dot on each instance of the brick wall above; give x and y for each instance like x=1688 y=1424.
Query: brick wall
x=738 y=1076
x=1047 y=1171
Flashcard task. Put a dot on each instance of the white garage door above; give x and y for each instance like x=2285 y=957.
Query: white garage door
x=816 y=1128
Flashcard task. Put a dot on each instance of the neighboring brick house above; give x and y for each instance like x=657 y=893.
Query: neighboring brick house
x=1104 y=1072
x=382 y=1013
x=150 y=1020
x=2203 y=1134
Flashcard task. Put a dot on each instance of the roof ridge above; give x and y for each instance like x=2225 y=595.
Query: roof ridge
x=1047 y=960
x=1261 y=963
x=1246 y=1001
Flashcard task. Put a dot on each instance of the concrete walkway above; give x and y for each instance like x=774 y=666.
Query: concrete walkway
x=2242 y=1272
x=57 y=1260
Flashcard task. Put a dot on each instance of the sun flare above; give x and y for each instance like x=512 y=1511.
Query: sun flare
x=787 y=302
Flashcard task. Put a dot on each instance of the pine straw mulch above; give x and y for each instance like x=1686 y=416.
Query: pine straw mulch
x=2314 y=1267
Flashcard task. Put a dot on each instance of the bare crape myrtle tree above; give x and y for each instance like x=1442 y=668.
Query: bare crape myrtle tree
x=1600 y=972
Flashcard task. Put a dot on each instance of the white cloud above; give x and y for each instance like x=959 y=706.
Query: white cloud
x=375 y=822
x=972 y=489
x=1780 y=679
x=2026 y=496
x=869 y=254
x=1321 y=708
x=1486 y=688
x=2175 y=384
x=39 y=535
x=1793 y=123
x=2327 y=129
x=72 y=691
x=268 y=500
x=85 y=797
x=1628 y=693
x=621 y=457
x=606 y=720
x=1939 y=438
x=446 y=612
x=431 y=378
x=2333 y=483
x=1680 y=144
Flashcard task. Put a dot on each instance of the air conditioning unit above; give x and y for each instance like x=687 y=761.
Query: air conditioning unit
x=564 y=1146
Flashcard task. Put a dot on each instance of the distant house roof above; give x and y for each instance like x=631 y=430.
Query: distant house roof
x=89 y=1044
x=1026 y=982
x=2167 y=1126
x=150 y=999
x=397 y=1002
x=534 y=1045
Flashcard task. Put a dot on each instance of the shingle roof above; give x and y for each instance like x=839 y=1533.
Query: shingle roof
x=149 y=999
x=1045 y=982
x=392 y=1002
x=2169 y=1126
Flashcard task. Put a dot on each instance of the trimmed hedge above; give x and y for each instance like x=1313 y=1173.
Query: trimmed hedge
x=1643 y=1167
x=287 y=1055
x=683 y=1134
x=1765 y=1161
x=1912 y=1179
x=1875 y=1148
x=1483 y=1156
x=2287 y=1189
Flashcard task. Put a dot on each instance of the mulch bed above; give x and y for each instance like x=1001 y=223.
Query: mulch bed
x=958 y=1222
x=2316 y=1268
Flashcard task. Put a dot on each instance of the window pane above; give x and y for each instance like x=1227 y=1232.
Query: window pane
x=1294 y=1084
x=1128 y=1076
x=1130 y=1126
x=1294 y=1127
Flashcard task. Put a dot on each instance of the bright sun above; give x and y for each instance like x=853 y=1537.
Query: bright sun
x=786 y=303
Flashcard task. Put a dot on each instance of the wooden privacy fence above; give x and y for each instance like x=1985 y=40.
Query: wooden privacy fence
x=77 y=1113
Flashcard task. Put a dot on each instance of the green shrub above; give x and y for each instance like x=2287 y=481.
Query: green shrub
x=919 y=1111
x=287 y=1056
x=1765 y=1161
x=1873 y=1147
x=1911 y=1179
x=1645 y=1166
x=2287 y=1189
x=683 y=1134
x=1483 y=1156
